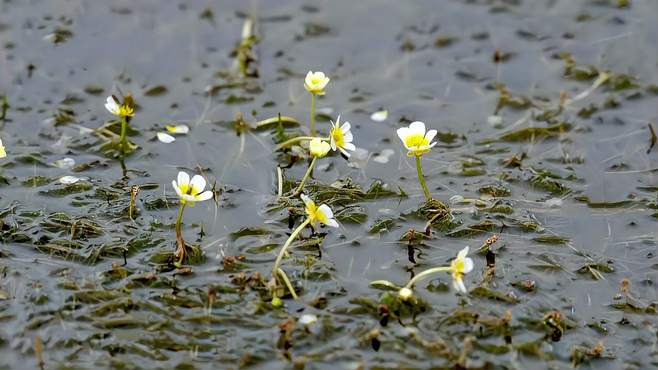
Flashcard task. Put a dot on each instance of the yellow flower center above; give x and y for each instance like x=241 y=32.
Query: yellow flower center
x=337 y=134
x=187 y=189
x=416 y=140
x=126 y=110
x=458 y=266
x=314 y=214
x=316 y=80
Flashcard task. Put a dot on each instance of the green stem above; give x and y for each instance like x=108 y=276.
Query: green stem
x=421 y=178
x=286 y=281
x=179 y=221
x=306 y=175
x=289 y=142
x=425 y=273
x=282 y=252
x=312 y=114
x=124 y=130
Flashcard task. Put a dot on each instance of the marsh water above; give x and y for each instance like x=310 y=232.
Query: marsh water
x=534 y=147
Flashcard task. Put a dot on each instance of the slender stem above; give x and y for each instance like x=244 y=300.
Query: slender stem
x=289 y=142
x=306 y=175
x=279 y=176
x=312 y=115
x=428 y=196
x=425 y=273
x=286 y=281
x=179 y=220
x=179 y=254
x=124 y=129
x=282 y=252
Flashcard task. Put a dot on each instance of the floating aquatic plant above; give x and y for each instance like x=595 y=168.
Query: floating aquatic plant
x=460 y=266
x=315 y=216
x=418 y=142
x=314 y=83
x=189 y=192
x=125 y=111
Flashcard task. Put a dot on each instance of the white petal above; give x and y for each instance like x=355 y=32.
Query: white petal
x=307 y=201
x=430 y=135
x=178 y=129
x=176 y=188
x=67 y=180
x=403 y=132
x=188 y=198
x=417 y=127
x=332 y=142
x=468 y=265
x=332 y=222
x=459 y=286
x=379 y=116
x=346 y=127
x=165 y=138
x=111 y=105
x=462 y=253
x=349 y=146
x=61 y=163
x=308 y=319
x=345 y=152
x=348 y=137
x=204 y=196
x=183 y=179
x=328 y=213
x=198 y=183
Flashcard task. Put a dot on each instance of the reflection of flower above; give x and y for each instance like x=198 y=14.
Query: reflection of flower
x=321 y=214
x=318 y=147
x=315 y=82
x=191 y=191
x=341 y=137
x=415 y=139
x=122 y=110
x=458 y=267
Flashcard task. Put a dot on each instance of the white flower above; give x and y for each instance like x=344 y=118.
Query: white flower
x=321 y=214
x=341 y=137
x=458 y=267
x=165 y=137
x=3 y=153
x=121 y=110
x=315 y=82
x=415 y=139
x=379 y=116
x=191 y=191
x=318 y=147
x=178 y=129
